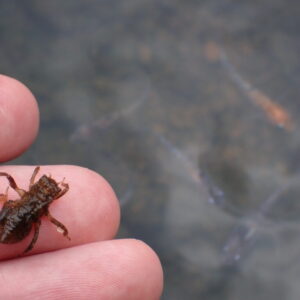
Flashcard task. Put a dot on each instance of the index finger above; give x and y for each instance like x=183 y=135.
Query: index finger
x=19 y=118
x=89 y=210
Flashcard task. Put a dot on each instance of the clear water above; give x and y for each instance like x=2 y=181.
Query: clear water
x=189 y=109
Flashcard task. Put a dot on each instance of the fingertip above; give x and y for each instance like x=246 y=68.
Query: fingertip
x=149 y=267
x=19 y=118
x=118 y=269
x=104 y=197
x=135 y=271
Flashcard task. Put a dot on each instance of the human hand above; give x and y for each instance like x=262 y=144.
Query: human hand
x=91 y=265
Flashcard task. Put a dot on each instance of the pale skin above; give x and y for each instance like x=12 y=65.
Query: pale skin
x=91 y=265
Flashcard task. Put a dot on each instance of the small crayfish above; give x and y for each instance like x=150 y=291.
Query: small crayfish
x=17 y=217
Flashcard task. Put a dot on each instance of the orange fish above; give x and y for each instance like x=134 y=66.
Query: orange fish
x=275 y=113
